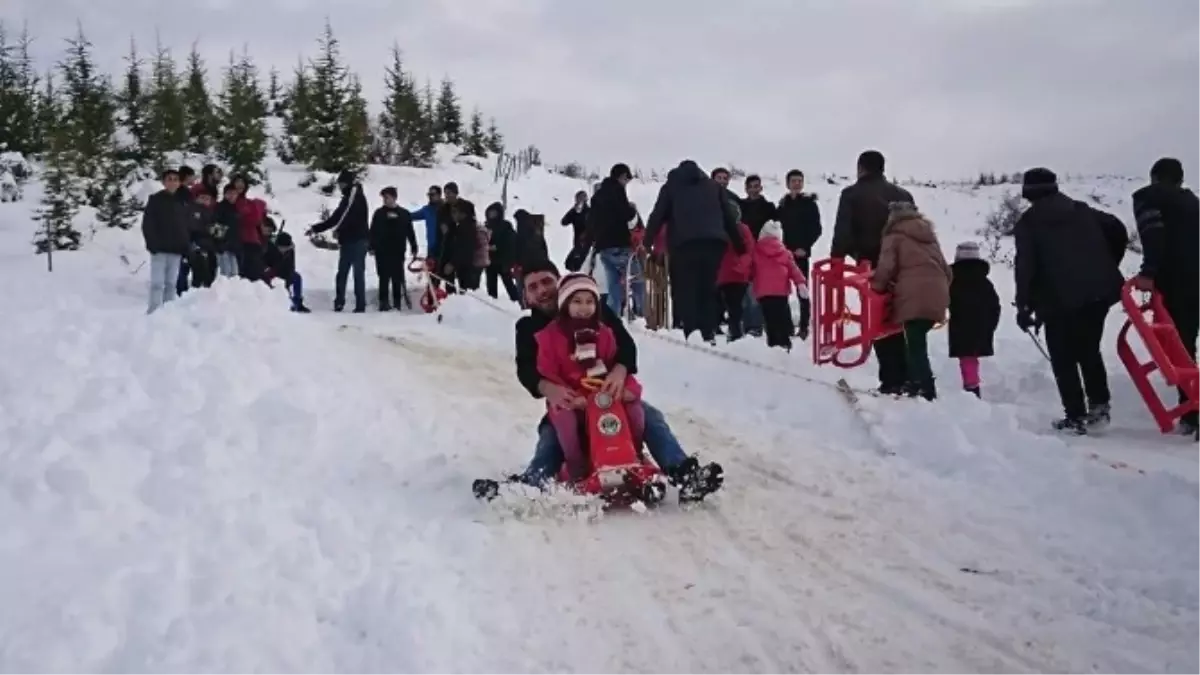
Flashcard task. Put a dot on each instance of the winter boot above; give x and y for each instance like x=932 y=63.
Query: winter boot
x=974 y=390
x=299 y=308
x=384 y=306
x=1099 y=416
x=1188 y=427
x=694 y=481
x=338 y=306
x=1072 y=426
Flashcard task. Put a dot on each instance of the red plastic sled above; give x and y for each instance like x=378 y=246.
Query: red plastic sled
x=830 y=280
x=1154 y=326
x=617 y=470
x=433 y=295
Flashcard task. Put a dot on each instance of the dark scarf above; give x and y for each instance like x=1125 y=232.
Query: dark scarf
x=583 y=335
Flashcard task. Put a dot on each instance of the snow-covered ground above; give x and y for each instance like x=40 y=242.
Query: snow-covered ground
x=226 y=486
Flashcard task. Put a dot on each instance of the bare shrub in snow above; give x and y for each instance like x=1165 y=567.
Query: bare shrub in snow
x=999 y=226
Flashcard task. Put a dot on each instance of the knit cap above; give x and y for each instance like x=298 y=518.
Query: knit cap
x=574 y=282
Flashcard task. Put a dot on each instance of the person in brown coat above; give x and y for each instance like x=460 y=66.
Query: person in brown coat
x=913 y=269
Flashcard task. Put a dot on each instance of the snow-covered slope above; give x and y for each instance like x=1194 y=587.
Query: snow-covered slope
x=228 y=486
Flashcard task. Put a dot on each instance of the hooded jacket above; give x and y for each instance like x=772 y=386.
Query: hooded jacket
x=697 y=209
x=503 y=236
x=351 y=218
x=608 y=219
x=775 y=268
x=912 y=267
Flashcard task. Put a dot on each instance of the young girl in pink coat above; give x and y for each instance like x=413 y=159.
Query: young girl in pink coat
x=576 y=345
x=775 y=271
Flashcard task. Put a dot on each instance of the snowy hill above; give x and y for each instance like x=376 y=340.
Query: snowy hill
x=225 y=485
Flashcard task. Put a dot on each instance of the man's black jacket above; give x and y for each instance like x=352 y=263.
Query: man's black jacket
x=527 y=354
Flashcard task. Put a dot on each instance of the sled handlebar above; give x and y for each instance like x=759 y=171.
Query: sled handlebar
x=591 y=383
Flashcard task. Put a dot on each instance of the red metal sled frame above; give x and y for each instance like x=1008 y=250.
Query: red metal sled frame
x=617 y=471
x=830 y=279
x=433 y=295
x=1167 y=355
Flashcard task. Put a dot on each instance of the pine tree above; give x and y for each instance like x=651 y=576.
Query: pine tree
x=401 y=122
x=332 y=111
x=60 y=199
x=358 y=137
x=198 y=106
x=449 y=125
x=48 y=111
x=274 y=93
x=18 y=95
x=242 y=134
x=132 y=102
x=476 y=143
x=88 y=117
x=427 y=135
x=167 y=116
x=118 y=208
x=294 y=145
x=494 y=140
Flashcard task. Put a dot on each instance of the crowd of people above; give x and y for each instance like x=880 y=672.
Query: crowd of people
x=733 y=262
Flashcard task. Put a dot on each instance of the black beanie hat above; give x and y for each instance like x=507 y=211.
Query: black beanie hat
x=1039 y=176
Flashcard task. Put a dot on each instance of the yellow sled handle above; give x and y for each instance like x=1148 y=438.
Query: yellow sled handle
x=591 y=383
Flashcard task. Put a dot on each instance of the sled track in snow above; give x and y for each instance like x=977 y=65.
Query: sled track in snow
x=783 y=548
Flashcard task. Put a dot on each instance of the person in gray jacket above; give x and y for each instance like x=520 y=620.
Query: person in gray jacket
x=702 y=224
x=165 y=230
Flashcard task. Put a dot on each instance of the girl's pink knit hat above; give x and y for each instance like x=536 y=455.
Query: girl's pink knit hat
x=576 y=281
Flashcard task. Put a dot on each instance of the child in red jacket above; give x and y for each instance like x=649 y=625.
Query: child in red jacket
x=576 y=345
x=775 y=271
x=733 y=278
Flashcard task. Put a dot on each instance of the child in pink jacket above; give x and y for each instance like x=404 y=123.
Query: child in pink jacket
x=775 y=271
x=576 y=345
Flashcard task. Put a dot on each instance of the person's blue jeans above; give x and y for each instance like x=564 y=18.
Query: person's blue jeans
x=752 y=316
x=296 y=286
x=615 y=262
x=164 y=273
x=548 y=454
x=352 y=255
x=637 y=284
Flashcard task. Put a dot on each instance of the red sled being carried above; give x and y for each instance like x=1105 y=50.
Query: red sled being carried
x=617 y=471
x=835 y=338
x=1168 y=355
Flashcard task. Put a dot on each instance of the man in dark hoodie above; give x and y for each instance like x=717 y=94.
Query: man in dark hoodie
x=165 y=231
x=703 y=223
x=1067 y=279
x=502 y=246
x=350 y=218
x=576 y=219
x=858 y=233
x=1168 y=221
x=390 y=237
x=608 y=229
x=800 y=217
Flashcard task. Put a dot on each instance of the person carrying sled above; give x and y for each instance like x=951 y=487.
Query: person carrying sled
x=703 y=221
x=574 y=347
x=974 y=313
x=389 y=237
x=350 y=219
x=541 y=297
x=775 y=274
x=914 y=271
x=857 y=233
x=1167 y=215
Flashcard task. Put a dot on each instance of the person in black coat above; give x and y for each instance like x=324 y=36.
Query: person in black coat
x=226 y=229
x=530 y=239
x=458 y=242
x=389 y=238
x=1067 y=279
x=576 y=218
x=1168 y=222
x=800 y=216
x=502 y=246
x=703 y=223
x=165 y=232
x=974 y=313
x=756 y=209
x=350 y=219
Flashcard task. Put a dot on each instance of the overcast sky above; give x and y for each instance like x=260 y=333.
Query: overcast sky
x=942 y=87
